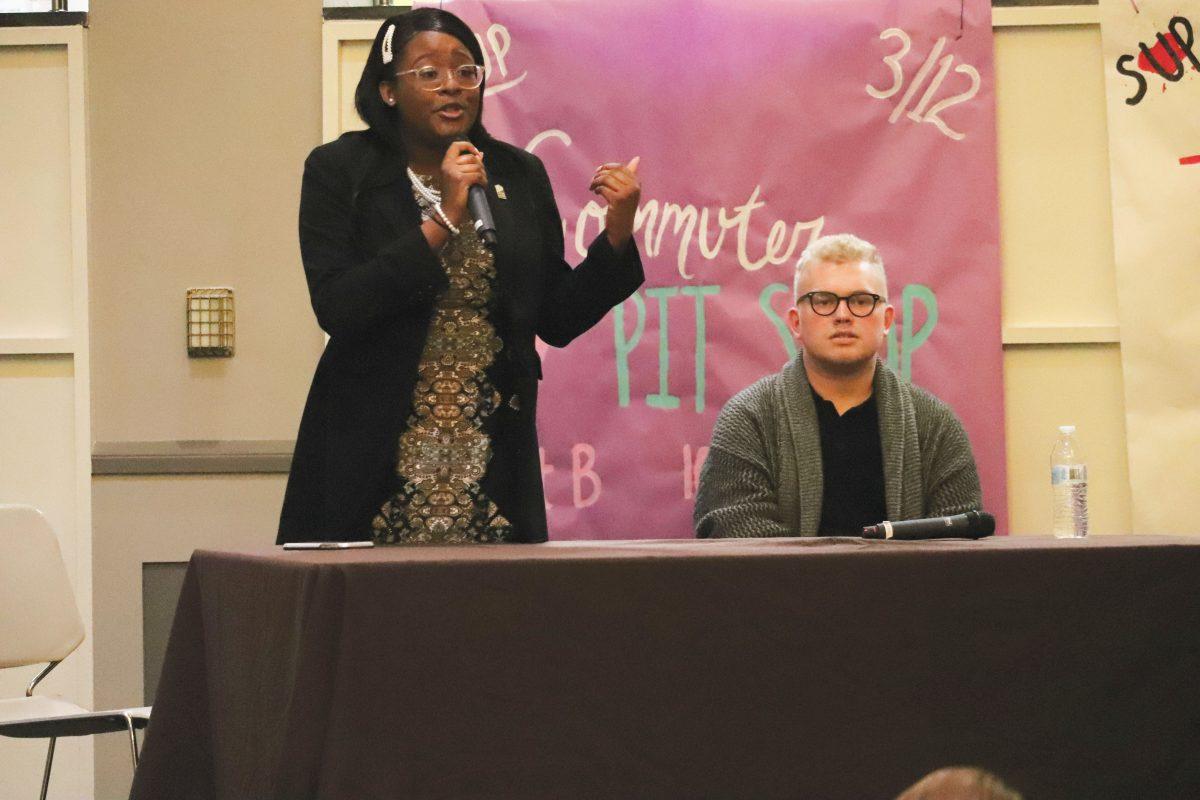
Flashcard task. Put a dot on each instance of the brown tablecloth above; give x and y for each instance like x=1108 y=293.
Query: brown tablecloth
x=722 y=669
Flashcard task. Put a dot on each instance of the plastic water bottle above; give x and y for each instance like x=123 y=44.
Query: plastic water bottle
x=1068 y=479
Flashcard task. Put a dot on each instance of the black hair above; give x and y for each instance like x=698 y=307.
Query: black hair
x=384 y=120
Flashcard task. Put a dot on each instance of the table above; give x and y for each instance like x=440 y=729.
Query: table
x=813 y=668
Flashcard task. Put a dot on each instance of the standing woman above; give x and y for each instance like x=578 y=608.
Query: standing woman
x=420 y=424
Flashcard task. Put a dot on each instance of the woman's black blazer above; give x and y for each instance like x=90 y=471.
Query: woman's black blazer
x=373 y=280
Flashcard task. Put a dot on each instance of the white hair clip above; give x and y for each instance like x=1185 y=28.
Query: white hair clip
x=386 y=47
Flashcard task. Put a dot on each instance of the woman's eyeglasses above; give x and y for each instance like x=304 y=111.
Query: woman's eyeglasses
x=431 y=79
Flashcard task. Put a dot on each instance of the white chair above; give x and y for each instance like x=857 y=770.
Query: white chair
x=39 y=622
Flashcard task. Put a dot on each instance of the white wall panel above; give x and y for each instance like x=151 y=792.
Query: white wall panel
x=35 y=193
x=37 y=466
x=1062 y=355
x=45 y=427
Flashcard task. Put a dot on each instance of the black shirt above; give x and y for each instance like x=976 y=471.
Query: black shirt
x=852 y=462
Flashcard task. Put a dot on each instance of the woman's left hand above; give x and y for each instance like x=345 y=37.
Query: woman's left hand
x=619 y=185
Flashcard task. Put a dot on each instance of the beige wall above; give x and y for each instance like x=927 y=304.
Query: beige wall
x=156 y=519
x=200 y=117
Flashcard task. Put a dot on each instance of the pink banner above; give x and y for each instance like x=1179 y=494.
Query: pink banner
x=761 y=124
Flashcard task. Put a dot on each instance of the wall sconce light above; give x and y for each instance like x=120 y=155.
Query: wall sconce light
x=210 y=322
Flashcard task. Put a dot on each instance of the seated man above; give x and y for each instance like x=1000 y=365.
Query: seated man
x=835 y=440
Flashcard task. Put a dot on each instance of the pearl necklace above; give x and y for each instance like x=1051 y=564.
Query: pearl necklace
x=434 y=198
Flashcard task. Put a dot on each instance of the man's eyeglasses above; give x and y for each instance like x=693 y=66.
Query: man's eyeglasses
x=861 y=304
x=431 y=79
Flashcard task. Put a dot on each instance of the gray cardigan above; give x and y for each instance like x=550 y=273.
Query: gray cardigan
x=763 y=473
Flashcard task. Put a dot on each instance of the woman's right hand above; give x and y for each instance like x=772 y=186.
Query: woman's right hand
x=462 y=168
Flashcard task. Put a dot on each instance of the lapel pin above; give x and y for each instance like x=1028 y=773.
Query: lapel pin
x=500 y=192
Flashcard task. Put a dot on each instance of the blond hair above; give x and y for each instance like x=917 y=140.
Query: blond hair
x=838 y=248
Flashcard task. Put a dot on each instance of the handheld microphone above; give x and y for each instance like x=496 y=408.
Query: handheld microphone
x=971 y=525
x=485 y=226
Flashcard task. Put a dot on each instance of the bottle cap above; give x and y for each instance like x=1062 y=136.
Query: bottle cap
x=1066 y=429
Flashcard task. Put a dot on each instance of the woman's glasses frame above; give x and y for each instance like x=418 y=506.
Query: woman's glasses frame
x=432 y=79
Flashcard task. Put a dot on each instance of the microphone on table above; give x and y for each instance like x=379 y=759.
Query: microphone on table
x=971 y=525
x=477 y=204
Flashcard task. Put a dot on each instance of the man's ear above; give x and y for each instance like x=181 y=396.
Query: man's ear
x=793 y=322
x=889 y=315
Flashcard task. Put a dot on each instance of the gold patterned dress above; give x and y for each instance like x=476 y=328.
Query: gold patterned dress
x=444 y=450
